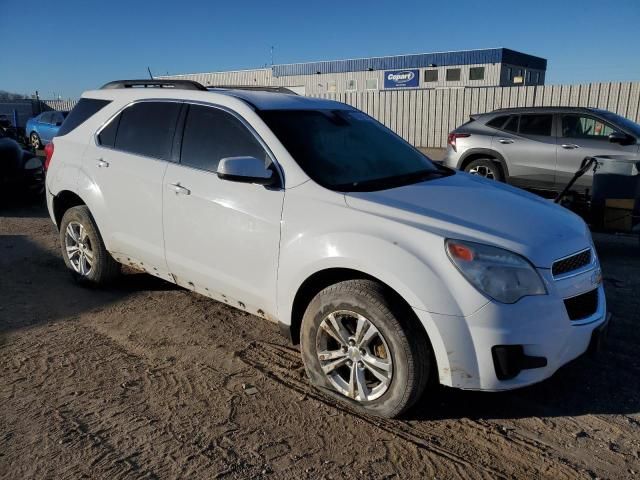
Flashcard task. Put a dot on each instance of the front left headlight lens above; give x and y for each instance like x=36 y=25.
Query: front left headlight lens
x=500 y=274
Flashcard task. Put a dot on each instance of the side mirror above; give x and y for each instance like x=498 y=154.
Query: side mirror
x=620 y=138
x=245 y=170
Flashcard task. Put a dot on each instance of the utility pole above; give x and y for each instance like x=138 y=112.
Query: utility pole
x=272 y=55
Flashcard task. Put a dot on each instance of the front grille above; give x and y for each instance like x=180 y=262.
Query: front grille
x=569 y=264
x=582 y=306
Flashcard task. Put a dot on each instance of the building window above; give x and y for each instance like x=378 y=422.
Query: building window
x=537 y=77
x=331 y=87
x=528 y=77
x=371 y=84
x=352 y=85
x=431 y=75
x=476 y=73
x=453 y=74
x=509 y=74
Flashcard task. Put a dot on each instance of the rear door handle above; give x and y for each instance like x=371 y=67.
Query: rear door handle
x=176 y=187
x=570 y=146
x=102 y=164
x=505 y=140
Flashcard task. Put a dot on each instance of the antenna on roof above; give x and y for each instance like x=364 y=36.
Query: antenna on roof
x=149 y=70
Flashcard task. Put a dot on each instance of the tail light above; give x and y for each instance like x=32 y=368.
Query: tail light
x=451 y=139
x=48 y=153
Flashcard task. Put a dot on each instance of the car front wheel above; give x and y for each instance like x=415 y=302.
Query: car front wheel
x=364 y=348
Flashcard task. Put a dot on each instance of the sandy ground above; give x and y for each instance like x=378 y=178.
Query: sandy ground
x=146 y=380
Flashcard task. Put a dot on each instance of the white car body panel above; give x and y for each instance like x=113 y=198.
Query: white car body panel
x=254 y=246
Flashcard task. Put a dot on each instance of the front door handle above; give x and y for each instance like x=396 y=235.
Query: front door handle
x=570 y=146
x=102 y=164
x=176 y=187
x=505 y=140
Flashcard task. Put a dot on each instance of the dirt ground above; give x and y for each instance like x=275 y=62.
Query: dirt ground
x=147 y=380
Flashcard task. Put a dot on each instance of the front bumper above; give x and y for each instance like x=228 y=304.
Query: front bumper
x=465 y=351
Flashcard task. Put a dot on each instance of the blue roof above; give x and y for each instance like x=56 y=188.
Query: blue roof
x=464 y=57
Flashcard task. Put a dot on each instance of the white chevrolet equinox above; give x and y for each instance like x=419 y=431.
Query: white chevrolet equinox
x=391 y=272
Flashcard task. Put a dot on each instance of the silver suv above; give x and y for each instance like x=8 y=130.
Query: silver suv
x=539 y=147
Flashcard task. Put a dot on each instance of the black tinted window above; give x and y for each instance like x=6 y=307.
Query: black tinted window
x=512 y=124
x=498 y=122
x=107 y=136
x=431 y=75
x=147 y=128
x=211 y=134
x=84 y=109
x=476 y=73
x=535 y=125
x=453 y=74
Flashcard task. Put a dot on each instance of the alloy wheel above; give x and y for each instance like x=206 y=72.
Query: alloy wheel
x=483 y=171
x=354 y=356
x=35 y=141
x=79 y=249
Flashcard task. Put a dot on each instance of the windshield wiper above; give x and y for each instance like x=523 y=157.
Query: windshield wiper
x=391 y=182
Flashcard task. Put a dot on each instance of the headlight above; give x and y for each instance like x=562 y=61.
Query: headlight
x=502 y=275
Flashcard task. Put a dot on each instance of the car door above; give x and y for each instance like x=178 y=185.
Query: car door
x=583 y=135
x=221 y=237
x=128 y=167
x=528 y=146
x=44 y=126
x=56 y=121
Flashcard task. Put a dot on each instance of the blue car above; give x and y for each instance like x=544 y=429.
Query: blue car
x=42 y=128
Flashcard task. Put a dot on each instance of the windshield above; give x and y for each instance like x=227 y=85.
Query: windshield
x=346 y=150
x=625 y=123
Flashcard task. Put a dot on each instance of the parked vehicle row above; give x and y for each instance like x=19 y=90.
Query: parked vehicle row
x=392 y=272
x=539 y=147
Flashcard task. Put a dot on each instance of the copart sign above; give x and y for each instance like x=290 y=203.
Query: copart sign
x=401 y=78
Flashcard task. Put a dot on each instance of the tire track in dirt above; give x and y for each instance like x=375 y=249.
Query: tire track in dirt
x=283 y=365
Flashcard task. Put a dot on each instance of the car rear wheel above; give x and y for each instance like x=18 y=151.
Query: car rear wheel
x=364 y=348
x=34 y=140
x=485 y=167
x=83 y=249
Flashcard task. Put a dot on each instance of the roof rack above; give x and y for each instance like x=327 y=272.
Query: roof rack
x=180 y=84
x=254 y=88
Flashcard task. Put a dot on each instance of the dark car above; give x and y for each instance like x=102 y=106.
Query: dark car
x=539 y=147
x=21 y=171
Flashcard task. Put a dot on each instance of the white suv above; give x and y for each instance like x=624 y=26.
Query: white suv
x=390 y=271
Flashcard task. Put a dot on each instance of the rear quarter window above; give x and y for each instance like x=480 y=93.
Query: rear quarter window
x=84 y=109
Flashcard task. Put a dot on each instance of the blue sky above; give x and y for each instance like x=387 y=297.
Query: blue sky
x=66 y=47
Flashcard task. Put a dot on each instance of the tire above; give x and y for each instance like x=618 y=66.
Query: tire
x=79 y=230
x=34 y=141
x=397 y=343
x=485 y=167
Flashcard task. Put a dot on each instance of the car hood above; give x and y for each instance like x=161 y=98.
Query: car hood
x=468 y=207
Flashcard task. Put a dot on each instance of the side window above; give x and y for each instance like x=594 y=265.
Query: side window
x=107 y=136
x=497 y=122
x=57 y=119
x=537 y=124
x=453 y=75
x=582 y=126
x=147 y=128
x=211 y=134
x=45 y=117
x=430 y=76
x=512 y=124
